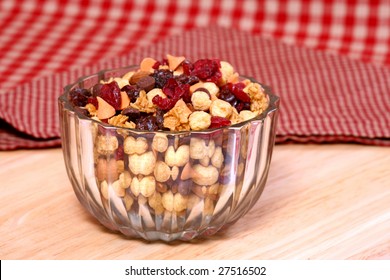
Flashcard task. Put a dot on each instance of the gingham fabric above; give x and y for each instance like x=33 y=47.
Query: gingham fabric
x=328 y=60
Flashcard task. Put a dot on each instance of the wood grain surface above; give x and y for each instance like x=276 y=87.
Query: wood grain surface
x=320 y=202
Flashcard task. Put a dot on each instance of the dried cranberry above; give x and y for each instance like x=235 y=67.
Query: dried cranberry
x=219 y=122
x=207 y=70
x=93 y=101
x=119 y=153
x=79 y=96
x=111 y=93
x=237 y=90
x=187 y=67
x=132 y=92
x=164 y=103
x=148 y=123
x=95 y=90
x=161 y=77
x=175 y=90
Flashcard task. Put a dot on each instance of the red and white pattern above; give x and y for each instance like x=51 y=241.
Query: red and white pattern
x=328 y=60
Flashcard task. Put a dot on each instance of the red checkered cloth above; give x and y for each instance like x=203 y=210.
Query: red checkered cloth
x=329 y=61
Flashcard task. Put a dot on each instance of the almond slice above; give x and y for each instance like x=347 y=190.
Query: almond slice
x=174 y=61
x=147 y=64
x=125 y=100
x=105 y=110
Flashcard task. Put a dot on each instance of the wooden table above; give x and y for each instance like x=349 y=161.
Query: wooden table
x=320 y=202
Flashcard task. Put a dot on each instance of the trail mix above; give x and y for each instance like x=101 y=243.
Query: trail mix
x=172 y=173
x=173 y=94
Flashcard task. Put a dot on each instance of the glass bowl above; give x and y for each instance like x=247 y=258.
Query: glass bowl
x=165 y=185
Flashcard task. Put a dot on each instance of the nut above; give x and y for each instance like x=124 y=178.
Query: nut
x=160 y=143
x=104 y=189
x=205 y=176
x=199 y=120
x=178 y=158
x=221 y=108
x=162 y=172
x=107 y=170
x=117 y=188
x=180 y=202
x=247 y=115
x=201 y=100
x=167 y=200
x=142 y=164
x=199 y=149
x=125 y=180
x=211 y=87
x=128 y=200
x=135 y=146
x=146 y=186
x=217 y=158
x=155 y=202
x=106 y=144
x=153 y=93
x=227 y=71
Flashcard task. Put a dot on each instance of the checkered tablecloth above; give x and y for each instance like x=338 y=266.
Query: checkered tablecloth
x=328 y=60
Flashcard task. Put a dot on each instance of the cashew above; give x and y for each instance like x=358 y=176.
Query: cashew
x=135 y=146
x=178 y=158
x=205 y=176
x=142 y=164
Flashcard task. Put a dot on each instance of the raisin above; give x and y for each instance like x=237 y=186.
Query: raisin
x=161 y=77
x=132 y=92
x=132 y=113
x=111 y=93
x=148 y=123
x=79 y=96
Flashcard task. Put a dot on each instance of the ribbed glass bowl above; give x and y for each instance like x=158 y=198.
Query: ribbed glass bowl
x=165 y=185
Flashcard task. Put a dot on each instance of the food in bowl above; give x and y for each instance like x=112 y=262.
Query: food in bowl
x=168 y=149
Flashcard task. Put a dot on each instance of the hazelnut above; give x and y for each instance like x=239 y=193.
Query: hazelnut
x=221 y=108
x=200 y=100
x=142 y=164
x=217 y=158
x=178 y=158
x=160 y=143
x=247 y=115
x=199 y=120
x=135 y=146
x=106 y=144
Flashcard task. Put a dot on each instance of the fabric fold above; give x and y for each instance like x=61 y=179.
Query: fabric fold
x=324 y=98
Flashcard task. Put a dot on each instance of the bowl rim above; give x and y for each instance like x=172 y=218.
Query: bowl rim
x=273 y=105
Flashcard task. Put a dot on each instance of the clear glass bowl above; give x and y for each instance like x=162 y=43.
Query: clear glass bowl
x=165 y=185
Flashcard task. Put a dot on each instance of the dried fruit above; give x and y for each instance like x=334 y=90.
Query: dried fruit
x=111 y=93
x=207 y=70
x=79 y=97
x=219 y=122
